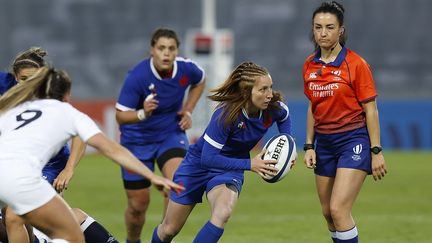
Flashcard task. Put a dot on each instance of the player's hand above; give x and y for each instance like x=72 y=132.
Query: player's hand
x=186 y=119
x=379 y=168
x=162 y=183
x=150 y=104
x=62 y=181
x=263 y=167
x=310 y=159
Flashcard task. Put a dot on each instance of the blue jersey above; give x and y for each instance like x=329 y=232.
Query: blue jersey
x=144 y=80
x=58 y=162
x=223 y=148
x=7 y=81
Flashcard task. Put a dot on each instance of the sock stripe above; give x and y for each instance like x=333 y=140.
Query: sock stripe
x=347 y=235
x=87 y=222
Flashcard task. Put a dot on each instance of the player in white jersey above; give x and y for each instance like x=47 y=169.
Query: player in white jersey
x=31 y=113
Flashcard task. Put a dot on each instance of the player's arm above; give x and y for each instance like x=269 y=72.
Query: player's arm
x=131 y=116
x=372 y=122
x=310 y=156
x=77 y=151
x=126 y=159
x=193 y=96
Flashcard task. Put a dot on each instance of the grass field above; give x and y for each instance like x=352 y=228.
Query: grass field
x=397 y=209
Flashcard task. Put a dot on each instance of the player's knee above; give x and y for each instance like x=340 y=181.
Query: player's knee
x=13 y=220
x=79 y=214
x=223 y=214
x=169 y=231
x=327 y=214
x=138 y=205
x=336 y=212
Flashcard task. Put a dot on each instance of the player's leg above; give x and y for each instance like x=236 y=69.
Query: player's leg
x=169 y=156
x=324 y=186
x=325 y=173
x=222 y=199
x=138 y=192
x=3 y=234
x=346 y=188
x=174 y=220
x=181 y=204
x=56 y=220
x=93 y=231
x=16 y=229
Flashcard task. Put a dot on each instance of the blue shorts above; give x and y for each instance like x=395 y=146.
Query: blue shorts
x=197 y=181
x=349 y=149
x=174 y=146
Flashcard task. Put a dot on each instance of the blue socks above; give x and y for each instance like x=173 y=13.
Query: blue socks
x=155 y=237
x=209 y=233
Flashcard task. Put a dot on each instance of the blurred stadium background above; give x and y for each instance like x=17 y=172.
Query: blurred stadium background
x=98 y=41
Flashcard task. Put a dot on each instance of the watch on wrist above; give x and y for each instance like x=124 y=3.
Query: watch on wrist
x=376 y=149
x=308 y=146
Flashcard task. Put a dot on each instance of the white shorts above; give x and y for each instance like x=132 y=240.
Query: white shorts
x=22 y=187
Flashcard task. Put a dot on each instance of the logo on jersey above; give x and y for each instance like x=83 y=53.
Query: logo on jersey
x=184 y=81
x=357 y=151
x=241 y=125
x=319 y=90
x=337 y=72
x=268 y=122
x=152 y=88
x=313 y=75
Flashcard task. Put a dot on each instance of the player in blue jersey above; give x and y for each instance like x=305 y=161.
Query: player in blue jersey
x=215 y=165
x=153 y=119
x=59 y=170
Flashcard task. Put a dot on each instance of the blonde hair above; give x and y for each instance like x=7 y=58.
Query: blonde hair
x=47 y=83
x=236 y=91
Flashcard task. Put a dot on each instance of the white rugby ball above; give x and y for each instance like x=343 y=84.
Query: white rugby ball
x=282 y=148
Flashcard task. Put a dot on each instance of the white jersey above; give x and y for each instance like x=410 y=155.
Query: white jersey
x=36 y=130
x=30 y=134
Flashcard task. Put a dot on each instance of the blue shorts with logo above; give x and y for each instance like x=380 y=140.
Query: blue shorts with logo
x=349 y=149
x=198 y=180
x=177 y=143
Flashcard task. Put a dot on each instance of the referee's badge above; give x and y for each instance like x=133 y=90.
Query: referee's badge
x=357 y=151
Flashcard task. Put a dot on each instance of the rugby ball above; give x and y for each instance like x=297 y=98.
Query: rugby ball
x=282 y=148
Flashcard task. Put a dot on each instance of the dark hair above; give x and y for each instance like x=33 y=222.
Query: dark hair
x=31 y=58
x=162 y=32
x=336 y=9
x=47 y=83
x=236 y=91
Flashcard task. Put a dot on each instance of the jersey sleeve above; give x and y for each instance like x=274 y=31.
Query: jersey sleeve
x=84 y=126
x=215 y=137
x=283 y=118
x=130 y=97
x=363 y=83
x=197 y=73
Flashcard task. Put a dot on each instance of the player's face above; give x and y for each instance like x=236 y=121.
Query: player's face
x=25 y=73
x=164 y=53
x=326 y=30
x=262 y=92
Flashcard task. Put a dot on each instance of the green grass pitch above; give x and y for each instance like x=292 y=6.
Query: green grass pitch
x=397 y=209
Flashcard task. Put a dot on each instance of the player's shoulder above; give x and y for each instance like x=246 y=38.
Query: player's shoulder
x=354 y=58
x=309 y=58
x=281 y=112
x=141 y=67
x=182 y=61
